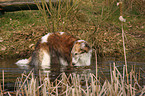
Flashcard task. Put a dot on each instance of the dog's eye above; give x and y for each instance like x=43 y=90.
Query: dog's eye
x=83 y=51
x=76 y=53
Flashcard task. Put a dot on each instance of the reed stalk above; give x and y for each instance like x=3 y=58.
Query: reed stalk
x=3 y=79
x=71 y=85
x=124 y=49
x=96 y=73
x=25 y=81
x=1 y=90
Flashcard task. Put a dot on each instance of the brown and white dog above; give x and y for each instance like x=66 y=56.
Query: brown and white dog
x=60 y=48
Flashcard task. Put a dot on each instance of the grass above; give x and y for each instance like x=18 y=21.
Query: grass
x=94 y=21
x=79 y=85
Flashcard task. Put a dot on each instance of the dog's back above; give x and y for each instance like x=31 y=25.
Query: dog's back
x=53 y=48
x=61 y=48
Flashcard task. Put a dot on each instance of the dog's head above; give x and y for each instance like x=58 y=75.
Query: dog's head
x=81 y=53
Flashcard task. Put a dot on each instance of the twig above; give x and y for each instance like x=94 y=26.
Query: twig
x=24 y=81
x=96 y=72
x=124 y=53
x=3 y=80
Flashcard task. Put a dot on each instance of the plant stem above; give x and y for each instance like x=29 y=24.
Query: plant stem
x=96 y=72
x=124 y=49
x=3 y=80
x=124 y=52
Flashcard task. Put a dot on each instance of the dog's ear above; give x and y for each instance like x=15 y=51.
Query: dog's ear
x=83 y=45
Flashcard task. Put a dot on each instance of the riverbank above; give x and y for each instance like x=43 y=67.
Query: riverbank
x=97 y=24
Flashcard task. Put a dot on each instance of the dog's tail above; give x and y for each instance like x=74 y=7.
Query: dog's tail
x=23 y=61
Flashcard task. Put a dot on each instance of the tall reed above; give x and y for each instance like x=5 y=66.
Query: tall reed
x=81 y=84
x=124 y=49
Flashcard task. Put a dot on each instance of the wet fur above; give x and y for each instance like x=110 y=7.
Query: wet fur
x=60 y=48
x=57 y=46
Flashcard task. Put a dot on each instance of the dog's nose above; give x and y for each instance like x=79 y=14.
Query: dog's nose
x=73 y=64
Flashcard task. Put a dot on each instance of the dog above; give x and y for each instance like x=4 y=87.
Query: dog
x=60 y=48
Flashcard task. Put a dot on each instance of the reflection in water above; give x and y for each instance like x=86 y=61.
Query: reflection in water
x=12 y=71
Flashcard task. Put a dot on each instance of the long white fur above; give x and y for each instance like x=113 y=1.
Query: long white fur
x=63 y=62
x=22 y=62
x=61 y=33
x=46 y=59
x=82 y=59
x=80 y=41
x=79 y=60
x=44 y=38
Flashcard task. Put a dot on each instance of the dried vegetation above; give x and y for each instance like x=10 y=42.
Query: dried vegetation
x=96 y=21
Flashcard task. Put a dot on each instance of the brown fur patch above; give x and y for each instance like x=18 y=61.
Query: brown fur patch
x=57 y=45
x=80 y=47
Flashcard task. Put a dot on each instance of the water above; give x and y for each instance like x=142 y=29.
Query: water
x=13 y=71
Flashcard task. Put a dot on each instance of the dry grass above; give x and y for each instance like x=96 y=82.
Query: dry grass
x=97 y=23
x=79 y=85
x=94 y=21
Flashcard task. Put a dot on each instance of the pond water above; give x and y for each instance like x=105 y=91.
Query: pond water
x=12 y=71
